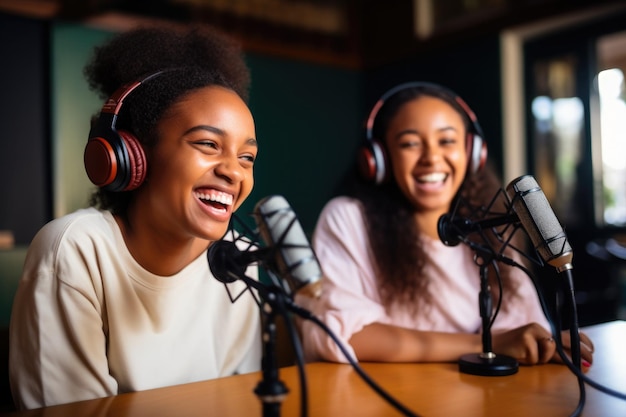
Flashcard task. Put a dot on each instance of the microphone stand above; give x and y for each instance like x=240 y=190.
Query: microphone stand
x=486 y=363
x=271 y=390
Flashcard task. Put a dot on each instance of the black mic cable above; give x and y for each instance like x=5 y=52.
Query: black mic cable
x=556 y=332
x=220 y=257
x=228 y=259
x=236 y=274
x=225 y=261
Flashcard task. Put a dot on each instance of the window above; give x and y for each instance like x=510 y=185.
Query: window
x=575 y=107
x=558 y=118
x=610 y=137
x=576 y=124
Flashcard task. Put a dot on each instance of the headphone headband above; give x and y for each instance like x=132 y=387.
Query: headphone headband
x=372 y=158
x=112 y=107
x=114 y=103
x=369 y=124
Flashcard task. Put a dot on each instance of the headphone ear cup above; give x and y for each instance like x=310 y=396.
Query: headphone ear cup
x=101 y=158
x=477 y=153
x=372 y=162
x=116 y=163
x=137 y=164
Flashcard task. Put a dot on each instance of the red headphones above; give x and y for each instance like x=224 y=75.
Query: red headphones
x=372 y=158
x=114 y=159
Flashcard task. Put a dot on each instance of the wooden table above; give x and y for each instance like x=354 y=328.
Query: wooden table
x=426 y=389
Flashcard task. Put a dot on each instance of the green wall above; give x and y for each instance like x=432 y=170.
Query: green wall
x=11 y=263
x=72 y=106
x=308 y=125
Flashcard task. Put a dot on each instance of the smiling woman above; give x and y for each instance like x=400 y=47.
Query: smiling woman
x=119 y=297
x=393 y=292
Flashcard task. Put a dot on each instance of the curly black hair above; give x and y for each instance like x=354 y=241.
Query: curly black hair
x=186 y=57
x=393 y=234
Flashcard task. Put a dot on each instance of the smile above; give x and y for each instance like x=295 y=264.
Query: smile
x=215 y=197
x=432 y=178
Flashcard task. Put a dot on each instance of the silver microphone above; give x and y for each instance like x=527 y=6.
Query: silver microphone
x=295 y=260
x=541 y=224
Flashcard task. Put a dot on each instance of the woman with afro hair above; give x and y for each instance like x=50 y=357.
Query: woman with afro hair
x=119 y=297
x=392 y=290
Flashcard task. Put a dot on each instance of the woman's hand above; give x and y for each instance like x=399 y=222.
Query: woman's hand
x=586 y=349
x=532 y=344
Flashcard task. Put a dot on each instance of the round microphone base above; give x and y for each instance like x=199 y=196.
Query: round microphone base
x=488 y=364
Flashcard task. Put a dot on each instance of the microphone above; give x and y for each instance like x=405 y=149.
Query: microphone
x=452 y=230
x=228 y=263
x=288 y=252
x=540 y=222
x=296 y=262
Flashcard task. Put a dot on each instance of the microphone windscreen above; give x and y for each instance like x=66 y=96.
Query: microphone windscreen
x=446 y=232
x=222 y=256
x=279 y=227
x=538 y=219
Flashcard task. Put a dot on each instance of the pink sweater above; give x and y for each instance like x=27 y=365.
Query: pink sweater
x=350 y=298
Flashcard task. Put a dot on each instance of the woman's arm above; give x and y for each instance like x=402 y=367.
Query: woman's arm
x=387 y=343
x=58 y=345
x=529 y=345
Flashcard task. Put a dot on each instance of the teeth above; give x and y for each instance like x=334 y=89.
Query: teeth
x=433 y=177
x=215 y=196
